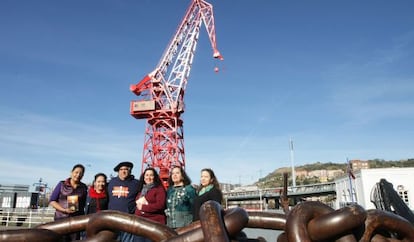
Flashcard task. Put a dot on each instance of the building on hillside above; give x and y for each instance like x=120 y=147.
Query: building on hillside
x=318 y=173
x=359 y=164
x=301 y=173
x=335 y=173
x=358 y=190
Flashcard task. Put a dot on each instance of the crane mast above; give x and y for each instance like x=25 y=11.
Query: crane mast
x=161 y=92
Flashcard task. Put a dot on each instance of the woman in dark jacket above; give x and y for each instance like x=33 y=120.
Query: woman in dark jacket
x=209 y=189
x=69 y=198
x=150 y=200
x=180 y=199
x=97 y=195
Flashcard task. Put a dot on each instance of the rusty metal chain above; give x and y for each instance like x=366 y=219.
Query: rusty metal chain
x=306 y=222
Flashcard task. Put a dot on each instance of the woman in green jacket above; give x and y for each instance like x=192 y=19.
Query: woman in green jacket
x=180 y=199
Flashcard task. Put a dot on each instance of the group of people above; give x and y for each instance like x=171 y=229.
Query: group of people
x=146 y=197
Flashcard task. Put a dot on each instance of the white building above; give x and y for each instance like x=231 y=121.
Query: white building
x=358 y=190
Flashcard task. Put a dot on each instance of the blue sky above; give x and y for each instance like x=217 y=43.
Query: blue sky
x=335 y=76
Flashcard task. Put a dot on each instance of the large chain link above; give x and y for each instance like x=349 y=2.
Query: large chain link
x=306 y=222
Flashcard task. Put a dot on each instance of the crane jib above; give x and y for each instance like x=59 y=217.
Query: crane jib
x=161 y=93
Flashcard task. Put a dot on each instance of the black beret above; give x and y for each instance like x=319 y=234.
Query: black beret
x=124 y=163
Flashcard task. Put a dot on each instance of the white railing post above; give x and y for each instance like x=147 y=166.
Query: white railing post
x=7 y=218
x=30 y=218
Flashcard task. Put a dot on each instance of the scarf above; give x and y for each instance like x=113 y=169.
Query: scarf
x=146 y=188
x=93 y=194
x=205 y=189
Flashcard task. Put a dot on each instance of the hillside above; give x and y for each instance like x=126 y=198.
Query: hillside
x=275 y=178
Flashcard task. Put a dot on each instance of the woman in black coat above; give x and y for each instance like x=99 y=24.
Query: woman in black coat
x=97 y=199
x=209 y=189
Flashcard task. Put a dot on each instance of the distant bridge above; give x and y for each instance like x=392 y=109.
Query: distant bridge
x=296 y=193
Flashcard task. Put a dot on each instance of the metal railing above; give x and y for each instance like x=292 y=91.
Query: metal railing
x=24 y=217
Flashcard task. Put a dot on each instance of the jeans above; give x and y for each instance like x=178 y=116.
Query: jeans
x=138 y=238
x=125 y=237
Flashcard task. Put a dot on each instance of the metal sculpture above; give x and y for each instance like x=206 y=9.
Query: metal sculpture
x=386 y=198
x=307 y=221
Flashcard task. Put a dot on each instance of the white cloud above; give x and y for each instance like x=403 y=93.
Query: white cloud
x=34 y=146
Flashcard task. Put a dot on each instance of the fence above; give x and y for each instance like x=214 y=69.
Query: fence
x=25 y=218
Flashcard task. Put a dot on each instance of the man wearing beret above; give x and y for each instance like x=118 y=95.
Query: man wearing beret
x=122 y=192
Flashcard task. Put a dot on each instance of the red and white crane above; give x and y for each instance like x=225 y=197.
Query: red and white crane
x=161 y=92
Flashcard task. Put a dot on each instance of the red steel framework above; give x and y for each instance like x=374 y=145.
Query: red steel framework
x=161 y=92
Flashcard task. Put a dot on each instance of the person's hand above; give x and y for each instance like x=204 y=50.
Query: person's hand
x=141 y=201
x=68 y=211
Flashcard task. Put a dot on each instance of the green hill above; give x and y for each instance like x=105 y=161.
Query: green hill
x=275 y=178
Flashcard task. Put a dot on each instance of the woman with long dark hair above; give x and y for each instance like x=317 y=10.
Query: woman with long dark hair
x=97 y=195
x=150 y=201
x=180 y=199
x=209 y=189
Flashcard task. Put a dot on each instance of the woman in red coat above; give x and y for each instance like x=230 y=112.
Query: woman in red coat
x=151 y=200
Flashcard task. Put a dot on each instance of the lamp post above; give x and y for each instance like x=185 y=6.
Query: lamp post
x=293 y=164
x=261 y=199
